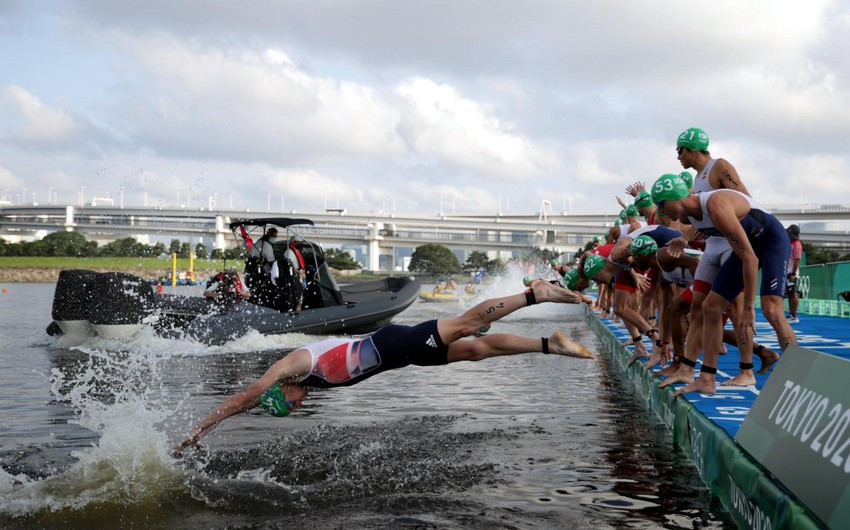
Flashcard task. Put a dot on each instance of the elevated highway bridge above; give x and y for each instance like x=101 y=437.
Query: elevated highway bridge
x=381 y=233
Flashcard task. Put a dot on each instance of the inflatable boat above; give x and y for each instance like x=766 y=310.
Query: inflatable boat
x=429 y=296
x=119 y=305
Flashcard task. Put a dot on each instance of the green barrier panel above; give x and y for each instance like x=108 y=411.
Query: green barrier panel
x=819 y=280
x=746 y=490
x=811 y=306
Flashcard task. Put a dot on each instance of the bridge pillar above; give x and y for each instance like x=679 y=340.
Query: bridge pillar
x=69 y=219
x=373 y=239
x=219 y=238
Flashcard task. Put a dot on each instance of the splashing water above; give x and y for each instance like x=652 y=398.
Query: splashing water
x=116 y=396
x=117 y=388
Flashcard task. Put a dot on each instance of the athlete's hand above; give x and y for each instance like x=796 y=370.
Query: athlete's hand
x=634 y=189
x=192 y=441
x=676 y=247
x=747 y=325
x=641 y=281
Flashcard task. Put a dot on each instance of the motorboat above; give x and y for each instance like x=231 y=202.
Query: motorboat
x=119 y=305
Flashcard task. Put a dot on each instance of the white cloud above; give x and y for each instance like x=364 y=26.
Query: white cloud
x=37 y=123
x=240 y=104
x=382 y=102
x=440 y=122
x=9 y=182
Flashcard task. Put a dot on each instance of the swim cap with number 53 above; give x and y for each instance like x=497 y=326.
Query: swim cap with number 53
x=669 y=188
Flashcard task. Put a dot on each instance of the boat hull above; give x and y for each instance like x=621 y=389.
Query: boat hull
x=120 y=305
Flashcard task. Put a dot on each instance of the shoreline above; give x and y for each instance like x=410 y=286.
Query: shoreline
x=51 y=274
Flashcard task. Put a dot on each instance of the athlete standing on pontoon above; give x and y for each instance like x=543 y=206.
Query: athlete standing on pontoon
x=758 y=241
x=344 y=362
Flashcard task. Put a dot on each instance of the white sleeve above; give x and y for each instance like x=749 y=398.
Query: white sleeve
x=274 y=273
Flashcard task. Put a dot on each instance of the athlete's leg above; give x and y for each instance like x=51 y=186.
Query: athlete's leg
x=773 y=308
x=622 y=301
x=717 y=251
x=745 y=374
x=499 y=344
x=712 y=330
x=493 y=309
x=693 y=342
x=660 y=353
x=675 y=314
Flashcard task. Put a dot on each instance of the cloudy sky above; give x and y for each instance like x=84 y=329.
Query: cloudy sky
x=407 y=105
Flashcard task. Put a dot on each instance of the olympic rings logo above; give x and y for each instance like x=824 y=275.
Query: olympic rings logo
x=803 y=285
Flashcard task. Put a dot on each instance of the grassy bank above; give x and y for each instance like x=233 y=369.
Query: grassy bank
x=117 y=264
x=46 y=269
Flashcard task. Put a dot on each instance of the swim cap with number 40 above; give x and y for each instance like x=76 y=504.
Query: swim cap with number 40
x=693 y=138
x=644 y=245
x=669 y=188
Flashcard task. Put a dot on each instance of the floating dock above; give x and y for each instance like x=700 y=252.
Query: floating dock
x=705 y=426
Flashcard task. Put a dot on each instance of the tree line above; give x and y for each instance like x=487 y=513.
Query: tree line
x=74 y=244
x=436 y=259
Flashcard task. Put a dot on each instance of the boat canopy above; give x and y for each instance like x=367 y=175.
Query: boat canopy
x=282 y=222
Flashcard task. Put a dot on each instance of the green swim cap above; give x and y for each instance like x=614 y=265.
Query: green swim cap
x=688 y=178
x=554 y=262
x=600 y=239
x=644 y=246
x=643 y=199
x=618 y=222
x=622 y=215
x=593 y=264
x=693 y=138
x=631 y=211
x=669 y=187
x=274 y=401
x=571 y=278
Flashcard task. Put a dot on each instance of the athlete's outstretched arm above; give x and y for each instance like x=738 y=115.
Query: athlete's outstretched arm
x=293 y=367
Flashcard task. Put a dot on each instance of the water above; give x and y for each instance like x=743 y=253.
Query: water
x=529 y=441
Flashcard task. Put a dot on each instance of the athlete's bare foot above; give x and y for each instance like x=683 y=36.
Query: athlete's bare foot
x=744 y=378
x=659 y=355
x=703 y=385
x=670 y=370
x=547 y=292
x=685 y=374
x=640 y=353
x=768 y=359
x=563 y=345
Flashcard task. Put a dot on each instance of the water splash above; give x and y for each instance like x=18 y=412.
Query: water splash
x=117 y=396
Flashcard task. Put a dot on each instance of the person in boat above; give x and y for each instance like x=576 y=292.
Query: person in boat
x=299 y=268
x=258 y=268
x=225 y=288
x=264 y=249
x=345 y=362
